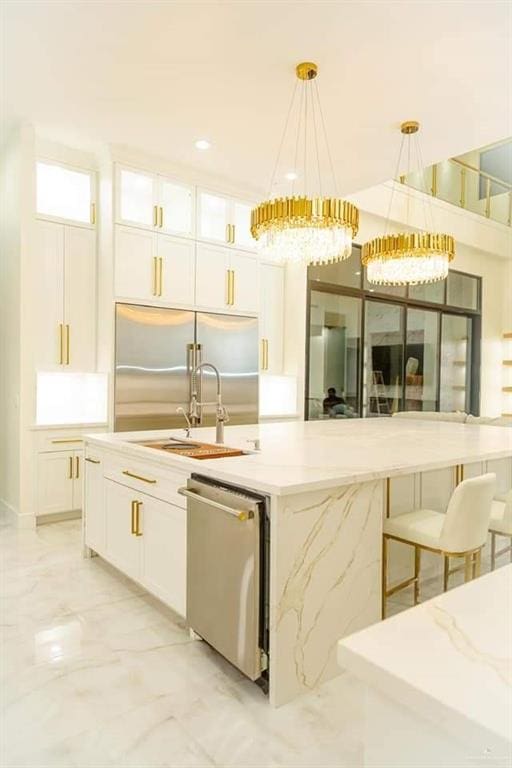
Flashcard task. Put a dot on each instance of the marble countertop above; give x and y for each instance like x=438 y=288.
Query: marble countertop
x=449 y=659
x=313 y=455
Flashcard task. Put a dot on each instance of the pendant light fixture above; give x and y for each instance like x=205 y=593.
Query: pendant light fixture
x=305 y=227
x=409 y=258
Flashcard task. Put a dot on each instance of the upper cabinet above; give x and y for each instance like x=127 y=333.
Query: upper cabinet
x=64 y=287
x=64 y=193
x=226 y=279
x=271 y=318
x=152 y=266
x=222 y=219
x=152 y=201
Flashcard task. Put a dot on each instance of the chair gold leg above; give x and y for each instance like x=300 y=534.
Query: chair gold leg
x=417 y=566
x=468 y=567
x=478 y=564
x=493 y=550
x=446 y=572
x=384 y=574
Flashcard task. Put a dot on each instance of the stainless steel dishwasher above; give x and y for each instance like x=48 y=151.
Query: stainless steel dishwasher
x=226 y=571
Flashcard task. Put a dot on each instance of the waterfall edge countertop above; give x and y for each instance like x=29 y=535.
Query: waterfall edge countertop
x=449 y=659
x=314 y=455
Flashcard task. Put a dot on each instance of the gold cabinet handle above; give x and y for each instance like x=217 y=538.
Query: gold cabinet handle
x=68 y=440
x=263 y=354
x=233 y=229
x=77 y=467
x=137 y=507
x=228 y=233
x=155 y=216
x=93 y=213
x=266 y=354
x=61 y=343
x=232 y=287
x=160 y=270
x=70 y=471
x=138 y=477
x=155 y=275
x=228 y=287
x=67 y=345
x=161 y=221
x=92 y=461
x=132 y=526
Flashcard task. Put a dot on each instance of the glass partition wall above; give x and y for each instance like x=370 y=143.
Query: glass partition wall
x=372 y=352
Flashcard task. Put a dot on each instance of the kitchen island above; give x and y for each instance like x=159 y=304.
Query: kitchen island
x=328 y=485
x=439 y=678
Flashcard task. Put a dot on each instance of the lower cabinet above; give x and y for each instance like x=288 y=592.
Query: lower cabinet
x=146 y=538
x=94 y=502
x=59 y=483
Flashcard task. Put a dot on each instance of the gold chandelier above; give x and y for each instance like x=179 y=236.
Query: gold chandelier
x=307 y=228
x=408 y=258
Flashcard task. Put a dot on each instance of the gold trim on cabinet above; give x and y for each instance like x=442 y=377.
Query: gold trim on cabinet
x=132 y=526
x=137 y=505
x=77 y=467
x=70 y=472
x=67 y=344
x=61 y=344
x=155 y=216
x=160 y=271
x=138 y=477
x=92 y=461
x=68 y=440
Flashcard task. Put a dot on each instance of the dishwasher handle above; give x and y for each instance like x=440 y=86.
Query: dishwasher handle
x=239 y=514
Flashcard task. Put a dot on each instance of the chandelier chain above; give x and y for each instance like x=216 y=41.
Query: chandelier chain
x=279 y=151
x=305 y=138
x=397 y=169
x=427 y=200
x=319 y=171
x=297 y=140
x=331 y=164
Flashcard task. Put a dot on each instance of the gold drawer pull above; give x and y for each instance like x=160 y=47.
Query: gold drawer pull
x=92 y=461
x=155 y=216
x=137 y=477
x=77 y=467
x=70 y=473
x=68 y=440
x=161 y=221
x=67 y=344
x=61 y=344
x=93 y=213
x=137 y=505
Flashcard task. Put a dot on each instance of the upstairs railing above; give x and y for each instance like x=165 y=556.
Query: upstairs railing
x=461 y=184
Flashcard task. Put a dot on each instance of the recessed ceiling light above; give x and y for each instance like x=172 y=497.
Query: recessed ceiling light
x=291 y=176
x=203 y=144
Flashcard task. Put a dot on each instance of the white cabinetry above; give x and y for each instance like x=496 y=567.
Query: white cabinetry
x=155 y=267
x=59 y=482
x=94 y=527
x=271 y=318
x=64 y=288
x=143 y=536
x=226 y=279
x=222 y=219
x=64 y=193
x=152 y=201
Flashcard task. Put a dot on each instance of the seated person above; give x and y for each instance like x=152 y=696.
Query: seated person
x=333 y=403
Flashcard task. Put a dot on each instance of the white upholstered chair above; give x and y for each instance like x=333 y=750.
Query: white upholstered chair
x=500 y=524
x=461 y=532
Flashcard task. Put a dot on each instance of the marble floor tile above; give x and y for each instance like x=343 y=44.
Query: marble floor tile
x=97 y=673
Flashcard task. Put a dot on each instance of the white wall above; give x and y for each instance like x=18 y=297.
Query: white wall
x=16 y=201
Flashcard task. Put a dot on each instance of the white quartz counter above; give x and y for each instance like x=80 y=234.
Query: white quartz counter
x=299 y=456
x=449 y=660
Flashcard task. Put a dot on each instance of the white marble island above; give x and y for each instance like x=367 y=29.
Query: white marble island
x=439 y=679
x=326 y=488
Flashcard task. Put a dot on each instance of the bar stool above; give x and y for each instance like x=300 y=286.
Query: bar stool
x=500 y=524
x=461 y=532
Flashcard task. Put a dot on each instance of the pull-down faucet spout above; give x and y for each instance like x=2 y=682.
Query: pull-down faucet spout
x=221 y=414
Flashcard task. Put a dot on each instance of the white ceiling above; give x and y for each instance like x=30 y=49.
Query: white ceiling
x=157 y=75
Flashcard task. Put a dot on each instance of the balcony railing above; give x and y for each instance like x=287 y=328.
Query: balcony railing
x=468 y=187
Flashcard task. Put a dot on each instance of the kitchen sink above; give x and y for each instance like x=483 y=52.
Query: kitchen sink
x=192 y=450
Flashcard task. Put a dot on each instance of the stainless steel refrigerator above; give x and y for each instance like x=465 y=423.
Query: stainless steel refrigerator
x=156 y=351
